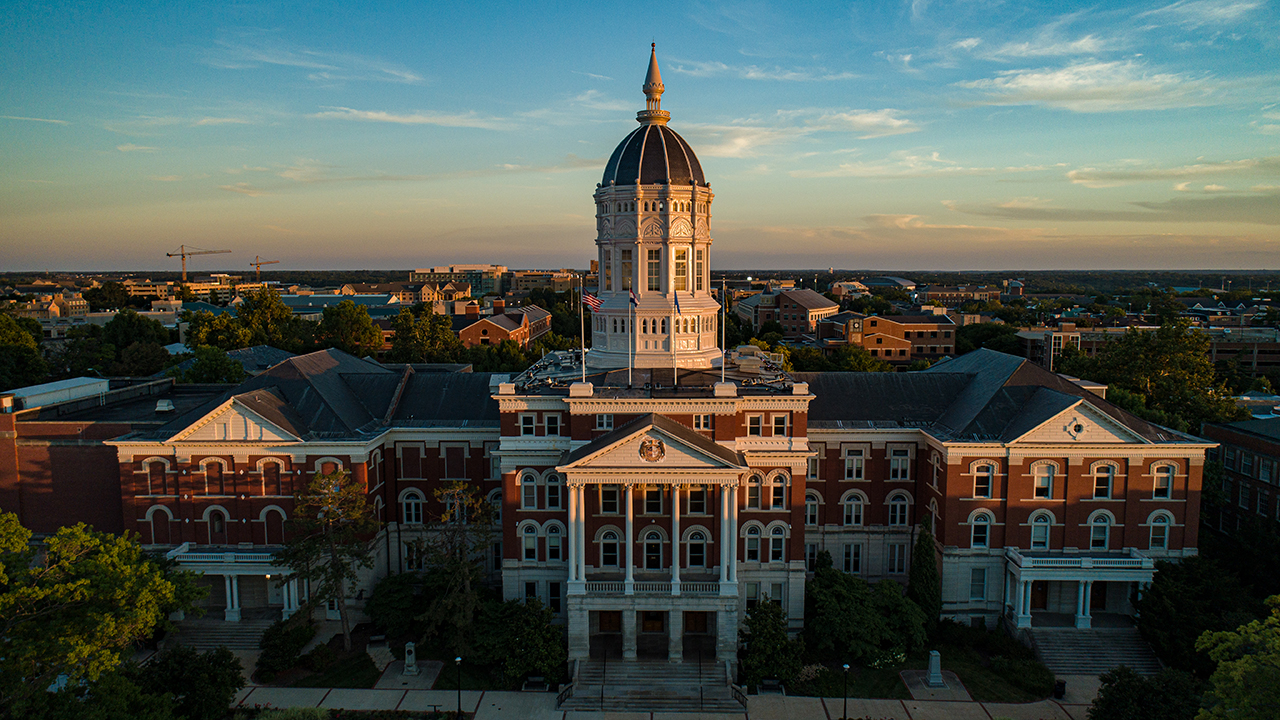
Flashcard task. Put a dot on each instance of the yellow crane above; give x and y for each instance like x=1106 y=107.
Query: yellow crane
x=185 y=253
x=258 y=262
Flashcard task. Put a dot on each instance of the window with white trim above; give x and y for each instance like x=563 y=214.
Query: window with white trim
x=853 y=464
x=1163 y=486
x=653 y=550
x=609 y=499
x=1043 y=480
x=898 y=509
x=811 y=509
x=981 y=531
x=702 y=421
x=777 y=544
x=753 y=544
x=982 y=481
x=528 y=423
x=1103 y=481
x=1159 y=532
x=604 y=421
x=853 y=510
x=653 y=501
x=755 y=425
x=897 y=558
x=1100 y=532
x=552 y=423
x=528 y=492
x=853 y=558
x=697 y=500
x=1040 y=531
x=609 y=549
x=697 y=545
x=412 y=508
x=553 y=492
x=555 y=542
x=755 y=485
x=779 y=425
x=778 y=492
x=899 y=464
x=978 y=584
x=530 y=536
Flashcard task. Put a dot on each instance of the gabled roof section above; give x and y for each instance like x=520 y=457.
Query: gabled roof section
x=255 y=416
x=664 y=425
x=860 y=399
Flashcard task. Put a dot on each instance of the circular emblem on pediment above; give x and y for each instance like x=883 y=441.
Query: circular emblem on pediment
x=652 y=450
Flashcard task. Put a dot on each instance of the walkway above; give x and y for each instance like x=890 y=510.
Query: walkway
x=542 y=706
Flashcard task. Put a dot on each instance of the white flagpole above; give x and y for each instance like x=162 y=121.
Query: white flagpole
x=582 y=325
x=631 y=343
x=724 y=318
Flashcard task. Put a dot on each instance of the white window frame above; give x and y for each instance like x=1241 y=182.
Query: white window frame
x=528 y=491
x=604 y=421
x=1047 y=471
x=1159 y=521
x=1100 y=519
x=1047 y=528
x=853 y=509
x=411 y=507
x=755 y=426
x=811 y=511
x=1167 y=472
x=855 y=463
x=528 y=424
x=989 y=471
x=899 y=463
x=702 y=421
x=899 y=509
x=980 y=530
x=551 y=424
x=1108 y=471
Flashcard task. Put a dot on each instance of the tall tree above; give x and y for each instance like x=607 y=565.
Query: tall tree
x=349 y=328
x=1126 y=695
x=211 y=365
x=1246 y=683
x=271 y=322
x=457 y=540
x=847 y=618
x=128 y=327
x=769 y=652
x=519 y=637
x=329 y=540
x=21 y=362
x=223 y=331
x=73 y=608
x=107 y=296
x=423 y=337
x=924 y=586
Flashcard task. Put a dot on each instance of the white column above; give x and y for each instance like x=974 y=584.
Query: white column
x=232 y=613
x=1088 y=600
x=675 y=635
x=733 y=534
x=628 y=584
x=675 y=540
x=573 y=533
x=724 y=534
x=1021 y=617
x=581 y=560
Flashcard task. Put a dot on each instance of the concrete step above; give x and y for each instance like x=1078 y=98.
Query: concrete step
x=1068 y=651
x=589 y=697
x=652 y=686
x=244 y=635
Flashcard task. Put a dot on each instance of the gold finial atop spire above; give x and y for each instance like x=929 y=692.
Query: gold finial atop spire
x=653 y=114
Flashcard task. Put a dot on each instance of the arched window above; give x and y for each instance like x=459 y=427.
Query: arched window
x=273 y=524
x=1163 y=489
x=553 y=492
x=530 y=537
x=1040 y=524
x=159 y=518
x=529 y=492
x=754 y=486
x=554 y=543
x=1100 y=531
x=777 y=544
x=778 y=491
x=653 y=550
x=609 y=549
x=753 y=544
x=981 y=531
x=697 y=549
x=853 y=509
x=156 y=476
x=1159 y=531
x=1104 y=476
x=811 y=508
x=982 y=480
x=412 y=506
x=495 y=506
x=898 y=506
x=217 y=527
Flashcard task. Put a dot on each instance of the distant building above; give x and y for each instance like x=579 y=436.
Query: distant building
x=899 y=339
x=1250 y=457
x=521 y=325
x=848 y=289
x=798 y=311
x=956 y=295
x=888 y=281
x=483 y=279
x=1043 y=346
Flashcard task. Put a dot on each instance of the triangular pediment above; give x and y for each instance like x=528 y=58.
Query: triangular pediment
x=232 y=421
x=1081 y=423
x=653 y=447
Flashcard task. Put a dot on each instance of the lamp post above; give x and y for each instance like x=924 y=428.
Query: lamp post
x=845 y=715
x=458 y=662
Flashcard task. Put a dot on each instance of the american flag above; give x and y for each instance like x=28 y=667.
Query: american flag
x=634 y=301
x=591 y=301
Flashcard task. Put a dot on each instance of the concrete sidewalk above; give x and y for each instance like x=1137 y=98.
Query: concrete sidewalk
x=542 y=706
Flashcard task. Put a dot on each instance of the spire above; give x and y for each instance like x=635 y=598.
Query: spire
x=653 y=114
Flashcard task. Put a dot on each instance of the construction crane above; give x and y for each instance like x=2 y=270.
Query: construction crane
x=258 y=262
x=184 y=253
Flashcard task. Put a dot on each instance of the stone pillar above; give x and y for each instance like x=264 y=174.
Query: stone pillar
x=290 y=592
x=573 y=533
x=1082 y=606
x=724 y=534
x=232 y=613
x=629 y=634
x=1023 y=618
x=1088 y=601
x=628 y=584
x=727 y=635
x=675 y=635
x=582 y=533
x=733 y=534
x=579 y=630
x=675 y=540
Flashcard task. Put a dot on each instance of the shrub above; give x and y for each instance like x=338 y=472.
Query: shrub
x=294 y=714
x=1029 y=675
x=319 y=659
x=394 y=604
x=281 y=644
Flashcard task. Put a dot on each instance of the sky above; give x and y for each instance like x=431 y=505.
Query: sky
x=866 y=135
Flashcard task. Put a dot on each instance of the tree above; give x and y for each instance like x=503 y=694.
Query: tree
x=328 y=543
x=992 y=336
x=107 y=296
x=1126 y=695
x=349 y=328
x=855 y=358
x=848 y=618
x=211 y=366
x=1187 y=599
x=141 y=360
x=203 y=684
x=1168 y=367
x=924 y=586
x=521 y=639
x=73 y=607
x=423 y=338
x=128 y=327
x=453 y=548
x=223 y=331
x=1246 y=683
x=769 y=652
x=271 y=322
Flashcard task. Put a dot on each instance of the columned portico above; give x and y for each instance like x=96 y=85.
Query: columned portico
x=1025 y=570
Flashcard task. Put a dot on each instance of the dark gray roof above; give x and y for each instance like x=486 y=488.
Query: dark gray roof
x=667 y=425
x=1268 y=428
x=809 y=299
x=653 y=155
x=862 y=399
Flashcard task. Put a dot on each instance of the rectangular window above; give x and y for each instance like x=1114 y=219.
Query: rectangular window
x=776 y=548
x=553 y=494
x=811 y=469
x=455 y=462
x=811 y=556
x=1244 y=495
x=653 y=501
x=607 y=266
x=528 y=422
x=853 y=513
x=1264 y=470
x=655 y=270
x=495 y=462
x=1246 y=463
x=1044 y=481
x=624 y=273
x=978 y=584
x=853 y=464
x=779 y=495
x=701 y=422
x=900 y=465
x=682 y=270
x=530 y=546
x=495 y=556
x=1264 y=502
x=553 y=597
x=753 y=549
x=753 y=594
x=553 y=545
x=552 y=421
x=775 y=593
x=755 y=425
x=1230 y=458
x=897 y=558
x=1102 y=480
x=779 y=425
x=531 y=590
x=853 y=559
x=604 y=422
x=698 y=501
x=811 y=512
x=1164 y=482
x=529 y=494
x=698 y=269
x=609 y=500
x=982 y=482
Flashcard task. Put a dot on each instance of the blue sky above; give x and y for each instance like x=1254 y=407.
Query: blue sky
x=907 y=135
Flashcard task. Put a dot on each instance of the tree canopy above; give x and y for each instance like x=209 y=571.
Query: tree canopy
x=1246 y=683
x=211 y=365
x=349 y=328
x=924 y=585
x=769 y=653
x=1126 y=695
x=848 y=618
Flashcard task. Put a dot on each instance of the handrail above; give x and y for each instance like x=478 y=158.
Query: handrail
x=565 y=694
x=738 y=695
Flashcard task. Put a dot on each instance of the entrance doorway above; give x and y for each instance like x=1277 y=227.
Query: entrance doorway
x=606 y=640
x=699 y=636
x=1040 y=595
x=1098 y=597
x=651 y=635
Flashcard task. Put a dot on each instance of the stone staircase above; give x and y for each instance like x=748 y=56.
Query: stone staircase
x=652 y=686
x=1068 y=651
x=208 y=634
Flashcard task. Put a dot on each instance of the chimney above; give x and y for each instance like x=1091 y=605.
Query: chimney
x=473 y=311
x=499 y=306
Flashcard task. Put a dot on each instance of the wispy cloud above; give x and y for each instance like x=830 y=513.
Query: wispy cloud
x=1197 y=13
x=870 y=123
x=282 y=230
x=1099 y=178
x=221 y=121
x=747 y=137
x=755 y=72
x=1048 y=46
x=1095 y=86
x=470 y=119
x=310 y=171
x=1258 y=207
x=591 y=75
x=244 y=188
x=34 y=119
x=596 y=100
x=327 y=67
x=912 y=164
x=130 y=147
x=166 y=178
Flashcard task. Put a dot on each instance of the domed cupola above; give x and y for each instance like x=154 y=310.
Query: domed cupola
x=653 y=223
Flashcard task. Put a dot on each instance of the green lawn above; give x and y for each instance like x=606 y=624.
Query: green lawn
x=356 y=671
x=474 y=677
x=983 y=683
